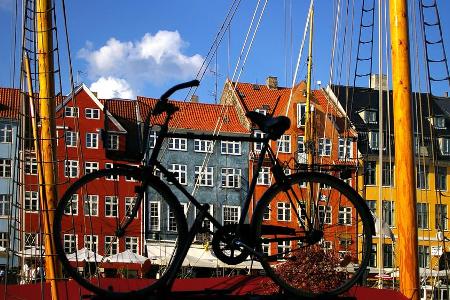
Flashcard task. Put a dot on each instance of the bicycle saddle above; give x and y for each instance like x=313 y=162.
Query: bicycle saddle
x=273 y=127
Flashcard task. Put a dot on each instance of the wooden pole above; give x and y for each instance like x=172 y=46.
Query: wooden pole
x=44 y=36
x=404 y=151
x=309 y=142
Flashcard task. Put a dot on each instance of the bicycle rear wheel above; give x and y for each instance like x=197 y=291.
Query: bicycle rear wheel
x=99 y=235
x=315 y=233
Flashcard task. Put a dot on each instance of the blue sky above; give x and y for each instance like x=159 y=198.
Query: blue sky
x=141 y=49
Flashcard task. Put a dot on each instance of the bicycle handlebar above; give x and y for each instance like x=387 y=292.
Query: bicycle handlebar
x=177 y=87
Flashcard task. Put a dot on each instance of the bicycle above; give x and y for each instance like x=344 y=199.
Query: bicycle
x=323 y=245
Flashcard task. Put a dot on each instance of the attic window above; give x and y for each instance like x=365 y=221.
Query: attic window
x=256 y=87
x=439 y=122
x=369 y=116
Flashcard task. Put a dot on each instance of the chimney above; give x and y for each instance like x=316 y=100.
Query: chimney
x=272 y=83
x=374 y=82
x=95 y=94
x=446 y=94
x=194 y=98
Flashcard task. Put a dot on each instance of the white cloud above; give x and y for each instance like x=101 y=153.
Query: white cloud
x=111 y=87
x=152 y=60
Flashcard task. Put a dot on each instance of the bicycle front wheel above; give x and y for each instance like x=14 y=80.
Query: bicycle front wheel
x=100 y=237
x=314 y=233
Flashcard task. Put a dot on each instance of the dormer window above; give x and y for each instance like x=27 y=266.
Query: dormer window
x=439 y=122
x=261 y=111
x=444 y=145
x=369 y=116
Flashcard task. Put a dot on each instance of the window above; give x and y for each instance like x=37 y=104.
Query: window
x=91 y=205
x=90 y=166
x=301 y=209
x=283 y=211
x=345 y=148
x=266 y=248
x=388 y=258
x=422 y=177
x=131 y=243
x=203 y=146
x=207 y=224
x=231 y=178
x=374 y=142
x=388 y=212
x=301 y=114
x=284 y=248
x=372 y=204
x=439 y=122
x=373 y=256
x=92 y=140
x=5 y=133
x=441 y=178
x=424 y=256
x=31 y=201
x=370 y=117
x=5 y=205
x=231 y=214
x=345 y=215
x=111 y=205
x=112 y=142
x=325 y=214
x=301 y=154
x=31 y=239
x=444 y=144
x=70 y=243
x=92 y=113
x=284 y=144
x=71 y=169
x=180 y=173
x=267 y=212
x=111 y=245
x=4 y=240
x=91 y=242
x=204 y=177
x=172 y=224
x=152 y=136
x=71 y=111
x=422 y=215
x=264 y=176
x=230 y=147
x=5 y=168
x=261 y=111
x=370 y=173
x=387 y=174
x=179 y=144
x=324 y=147
x=129 y=204
x=111 y=177
x=30 y=166
x=257 y=146
x=154 y=211
x=71 y=138
x=72 y=206
x=441 y=216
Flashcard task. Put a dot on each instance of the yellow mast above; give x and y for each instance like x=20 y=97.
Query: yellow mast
x=309 y=142
x=404 y=154
x=44 y=36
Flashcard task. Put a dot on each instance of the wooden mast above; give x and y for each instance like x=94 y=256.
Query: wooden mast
x=309 y=142
x=404 y=150
x=44 y=36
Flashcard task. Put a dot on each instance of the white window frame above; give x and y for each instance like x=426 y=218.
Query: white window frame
x=180 y=172
x=231 y=147
x=112 y=141
x=264 y=176
x=90 y=166
x=72 y=239
x=6 y=132
x=203 y=146
x=71 y=138
x=235 y=213
x=111 y=177
x=204 y=178
x=92 y=113
x=152 y=136
x=132 y=243
x=284 y=144
x=31 y=165
x=374 y=140
x=71 y=111
x=284 y=210
x=178 y=144
x=257 y=146
x=231 y=178
x=111 y=243
x=157 y=217
x=345 y=215
x=129 y=203
x=327 y=213
x=91 y=242
x=72 y=207
x=325 y=147
x=90 y=205
x=111 y=202
x=301 y=114
x=5 y=204
x=444 y=145
x=345 y=149
x=31 y=201
x=92 y=140
x=71 y=168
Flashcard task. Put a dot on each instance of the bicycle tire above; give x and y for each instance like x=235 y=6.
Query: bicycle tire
x=132 y=182
x=337 y=252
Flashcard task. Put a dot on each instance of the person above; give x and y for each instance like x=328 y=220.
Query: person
x=33 y=274
x=2 y=274
x=25 y=274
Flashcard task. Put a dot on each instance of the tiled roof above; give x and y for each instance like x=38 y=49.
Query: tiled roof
x=9 y=103
x=198 y=116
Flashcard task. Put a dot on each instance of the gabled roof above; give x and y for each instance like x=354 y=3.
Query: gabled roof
x=9 y=103
x=197 y=116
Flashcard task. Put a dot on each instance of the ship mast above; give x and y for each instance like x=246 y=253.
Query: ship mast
x=404 y=154
x=309 y=142
x=47 y=106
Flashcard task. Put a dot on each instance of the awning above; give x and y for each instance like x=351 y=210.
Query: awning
x=85 y=254
x=126 y=256
x=197 y=256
